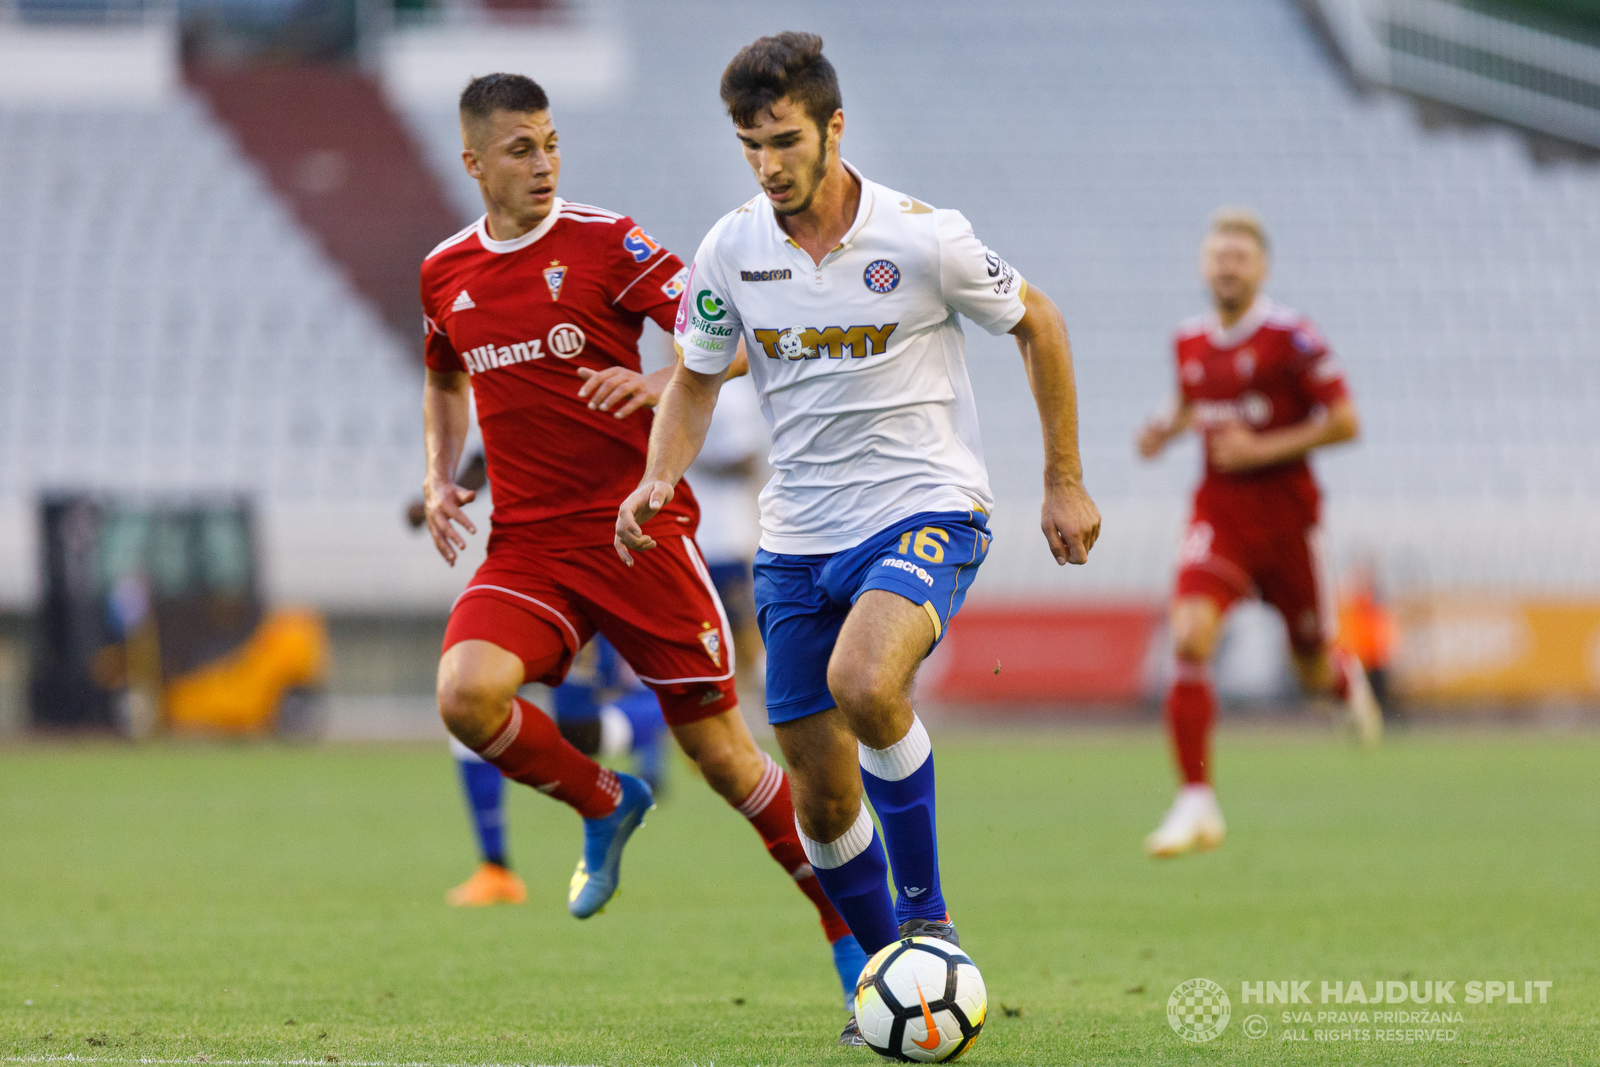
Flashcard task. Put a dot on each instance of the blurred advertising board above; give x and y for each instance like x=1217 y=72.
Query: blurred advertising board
x=1483 y=649
x=1049 y=654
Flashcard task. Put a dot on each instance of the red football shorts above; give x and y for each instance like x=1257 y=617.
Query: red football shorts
x=1285 y=566
x=662 y=615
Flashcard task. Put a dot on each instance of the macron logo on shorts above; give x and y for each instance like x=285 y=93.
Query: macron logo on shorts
x=910 y=568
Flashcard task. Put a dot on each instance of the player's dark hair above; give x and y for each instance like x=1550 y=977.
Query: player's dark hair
x=501 y=92
x=771 y=68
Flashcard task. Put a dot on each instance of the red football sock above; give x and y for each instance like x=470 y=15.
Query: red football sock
x=770 y=810
x=1191 y=708
x=532 y=751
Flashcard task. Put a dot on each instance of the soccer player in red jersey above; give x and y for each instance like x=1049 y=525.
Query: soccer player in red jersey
x=537 y=308
x=1258 y=384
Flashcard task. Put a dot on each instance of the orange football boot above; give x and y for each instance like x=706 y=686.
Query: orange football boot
x=489 y=884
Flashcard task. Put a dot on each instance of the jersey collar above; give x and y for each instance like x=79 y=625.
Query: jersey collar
x=863 y=212
x=516 y=244
x=1242 y=330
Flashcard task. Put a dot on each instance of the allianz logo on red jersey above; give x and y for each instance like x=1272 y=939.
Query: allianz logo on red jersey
x=563 y=341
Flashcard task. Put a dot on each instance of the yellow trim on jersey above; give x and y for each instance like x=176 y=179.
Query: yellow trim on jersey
x=933 y=613
x=1022 y=292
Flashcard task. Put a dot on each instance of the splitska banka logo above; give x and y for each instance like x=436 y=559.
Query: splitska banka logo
x=810 y=342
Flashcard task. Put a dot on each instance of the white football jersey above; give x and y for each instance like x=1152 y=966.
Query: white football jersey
x=859 y=361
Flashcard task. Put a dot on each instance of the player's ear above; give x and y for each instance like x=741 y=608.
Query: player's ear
x=469 y=159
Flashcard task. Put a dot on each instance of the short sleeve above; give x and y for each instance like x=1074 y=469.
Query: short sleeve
x=707 y=327
x=647 y=279
x=437 y=351
x=1319 y=370
x=973 y=280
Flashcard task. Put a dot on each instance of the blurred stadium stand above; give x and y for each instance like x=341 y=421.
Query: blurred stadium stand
x=172 y=318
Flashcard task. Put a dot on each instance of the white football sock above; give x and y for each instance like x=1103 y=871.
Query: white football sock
x=901 y=759
x=852 y=843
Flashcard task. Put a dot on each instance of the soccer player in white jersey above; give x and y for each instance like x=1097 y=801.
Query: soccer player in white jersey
x=847 y=295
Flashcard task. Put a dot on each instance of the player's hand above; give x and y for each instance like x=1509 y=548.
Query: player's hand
x=615 y=386
x=1153 y=438
x=642 y=505
x=1071 y=522
x=442 y=501
x=1233 y=446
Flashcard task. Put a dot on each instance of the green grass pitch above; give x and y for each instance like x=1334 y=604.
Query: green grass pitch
x=251 y=903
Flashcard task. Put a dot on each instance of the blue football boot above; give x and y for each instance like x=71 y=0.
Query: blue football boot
x=600 y=868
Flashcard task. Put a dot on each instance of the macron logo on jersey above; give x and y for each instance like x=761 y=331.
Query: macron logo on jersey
x=463 y=301
x=910 y=568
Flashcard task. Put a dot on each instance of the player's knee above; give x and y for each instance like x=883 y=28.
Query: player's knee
x=471 y=702
x=863 y=688
x=1194 y=635
x=827 y=817
x=1191 y=645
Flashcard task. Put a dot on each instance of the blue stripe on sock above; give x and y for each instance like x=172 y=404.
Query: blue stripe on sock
x=483 y=785
x=860 y=890
x=910 y=830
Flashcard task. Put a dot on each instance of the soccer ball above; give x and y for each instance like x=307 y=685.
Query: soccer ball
x=920 y=999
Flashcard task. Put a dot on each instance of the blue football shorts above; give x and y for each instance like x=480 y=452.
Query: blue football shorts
x=801 y=601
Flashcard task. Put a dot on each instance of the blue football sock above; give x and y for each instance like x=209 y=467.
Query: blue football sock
x=483 y=785
x=899 y=782
x=575 y=702
x=854 y=873
x=643 y=710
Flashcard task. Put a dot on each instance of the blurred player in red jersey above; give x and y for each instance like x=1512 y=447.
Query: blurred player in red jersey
x=1256 y=381
x=538 y=308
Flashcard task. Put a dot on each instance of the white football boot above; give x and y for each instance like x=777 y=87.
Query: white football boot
x=1193 y=824
x=1366 y=717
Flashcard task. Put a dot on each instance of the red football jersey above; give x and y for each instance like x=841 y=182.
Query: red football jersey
x=521 y=317
x=1270 y=369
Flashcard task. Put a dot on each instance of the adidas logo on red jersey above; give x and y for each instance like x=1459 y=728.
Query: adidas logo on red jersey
x=463 y=301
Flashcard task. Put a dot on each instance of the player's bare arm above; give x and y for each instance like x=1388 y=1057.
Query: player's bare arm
x=1236 y=447
x=619 y=385
x=1164 y=428
x=1069 y=518
x=682 y=419
x=445 y=414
